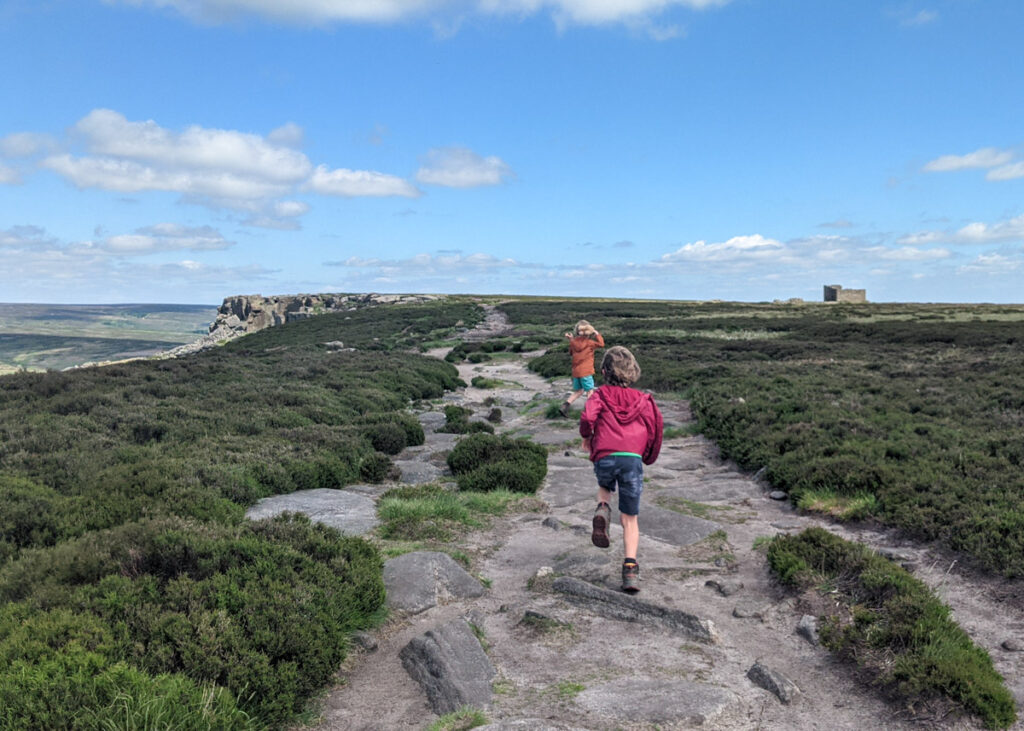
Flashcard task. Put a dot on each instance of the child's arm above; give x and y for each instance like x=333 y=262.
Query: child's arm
x=597 y=338
x=655 y=431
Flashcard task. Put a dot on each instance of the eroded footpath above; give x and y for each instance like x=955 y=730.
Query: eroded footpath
x=539 y=637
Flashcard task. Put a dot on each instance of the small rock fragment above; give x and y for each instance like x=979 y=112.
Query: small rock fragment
x=787 y=525
x=808 y=628
x=1011 y=645
x=749 y=609
x=365 y=640
x=778 y=495
x=724 y=587
x=544 y=571
x=568 y=453
x=773 y=681
x=494 y=416
x=552 y=523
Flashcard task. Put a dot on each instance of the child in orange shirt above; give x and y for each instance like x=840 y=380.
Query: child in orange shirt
x=582 y=343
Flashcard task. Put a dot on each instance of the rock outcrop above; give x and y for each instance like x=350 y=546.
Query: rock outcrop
x=249 y=313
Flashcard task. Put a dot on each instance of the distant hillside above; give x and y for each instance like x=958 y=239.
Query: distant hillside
x=41 y=336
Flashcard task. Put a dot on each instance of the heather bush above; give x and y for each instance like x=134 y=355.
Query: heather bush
x=484 y=462
x=262 y=609
x=892 y=626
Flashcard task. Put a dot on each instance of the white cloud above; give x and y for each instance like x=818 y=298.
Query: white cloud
x=921 y=17
x=909 y=253
x=458 y=167
x=26 y=144
x=973 y=233
x=431 y=263
x=8 y=175
x=992 y=264
x=227 y=152
x=986 y=157
x=221 y=169
x=35 y=265
x=1006 y=172
x=746 y=248
x=287 y=135
x=166 y=237
x=351 y=183
x=386 y=11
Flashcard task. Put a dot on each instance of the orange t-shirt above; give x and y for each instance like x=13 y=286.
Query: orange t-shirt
x=582 y=349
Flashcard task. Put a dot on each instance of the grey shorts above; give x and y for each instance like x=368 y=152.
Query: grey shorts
x=627 y=475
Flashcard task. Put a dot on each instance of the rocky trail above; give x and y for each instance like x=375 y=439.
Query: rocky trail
x=539 y=637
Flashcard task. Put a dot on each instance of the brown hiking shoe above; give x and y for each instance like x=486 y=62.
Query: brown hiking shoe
x=564 y=408
x=631 y=578
x=602 y=517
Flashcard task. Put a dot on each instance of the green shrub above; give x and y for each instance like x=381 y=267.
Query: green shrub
x=388 y=438
x=487 y=462
x=481 y=382
x=262 y=609
x=375 y=468
x=900 y=632
x=478 y=357
x=456 y=421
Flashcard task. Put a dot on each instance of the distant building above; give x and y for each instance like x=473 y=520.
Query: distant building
x=836 y=293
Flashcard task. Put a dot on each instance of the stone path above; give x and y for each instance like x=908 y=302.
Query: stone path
x=709 y=642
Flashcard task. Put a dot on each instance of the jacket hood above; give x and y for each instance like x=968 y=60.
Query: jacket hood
x=627 y=404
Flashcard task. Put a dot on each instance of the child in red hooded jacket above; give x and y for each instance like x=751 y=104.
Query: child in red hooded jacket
x=622 y=427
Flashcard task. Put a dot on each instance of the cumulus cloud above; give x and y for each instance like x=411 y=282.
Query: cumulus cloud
x=743 y=248
x=350 y=183
x=36 y=264
x=26 y=144
x=973 y=233
x=8 y=175
x=387 y=11
x=992 y=264
x=909 y=253
x=431 y=263
x=986 y=157
x=1006 y=172
x=166 y=237
x=222 y=169
x=458 y=167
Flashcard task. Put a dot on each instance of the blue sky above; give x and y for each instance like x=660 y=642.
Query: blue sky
x=187 y=150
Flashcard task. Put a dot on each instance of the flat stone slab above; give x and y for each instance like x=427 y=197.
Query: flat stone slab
x=656 y=701
x=350 y=513
x=672 y=527
x=451 y=667
x=431 y=420
x=570 y=485
x=415 y=472
x=624 y=607
x=556 y=436
x=420 y=580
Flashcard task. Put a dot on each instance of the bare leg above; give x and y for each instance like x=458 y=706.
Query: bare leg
x=604 y=496
x=630 y=534
x=575 y=395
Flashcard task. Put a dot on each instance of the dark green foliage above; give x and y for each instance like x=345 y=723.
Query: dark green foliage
x=387 y=438
x=457 y=422
x=375 y=468
x=484 y=462
x=893 y=626
x=482 y=382
x=262 y=609
x=918 y=405
x=122 y=495
x=478 y=357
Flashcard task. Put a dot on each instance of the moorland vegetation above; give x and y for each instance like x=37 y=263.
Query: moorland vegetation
x=132 y=589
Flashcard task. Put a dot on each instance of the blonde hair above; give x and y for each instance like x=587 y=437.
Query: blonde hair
x=619 y=367
x=583 y=328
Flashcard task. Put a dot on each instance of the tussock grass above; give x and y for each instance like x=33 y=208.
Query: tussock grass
x=900 y=635
x=434 y=513
x=844 y=507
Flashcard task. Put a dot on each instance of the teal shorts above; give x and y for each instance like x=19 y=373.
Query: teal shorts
x=583 y=384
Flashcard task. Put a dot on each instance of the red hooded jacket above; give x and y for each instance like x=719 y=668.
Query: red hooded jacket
x=618 y=419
